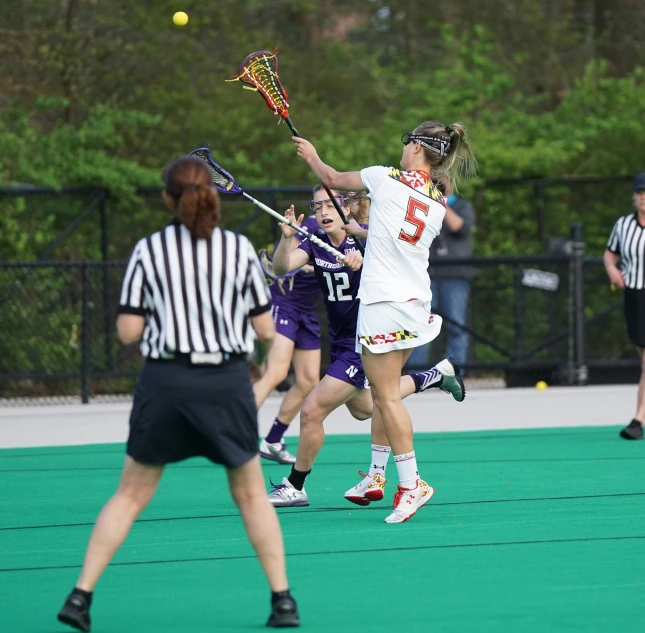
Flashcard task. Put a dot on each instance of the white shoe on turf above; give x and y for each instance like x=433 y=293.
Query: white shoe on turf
x=451 y=381
x=370 y=488
x=408 y=500
x=276 y=452
x=285 y=495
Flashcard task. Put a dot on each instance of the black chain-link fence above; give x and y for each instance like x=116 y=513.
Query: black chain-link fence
x=59 y=340
x=547 y=317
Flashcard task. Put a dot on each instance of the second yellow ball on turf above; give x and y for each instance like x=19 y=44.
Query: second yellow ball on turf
x=180 y=18
x=541 y=385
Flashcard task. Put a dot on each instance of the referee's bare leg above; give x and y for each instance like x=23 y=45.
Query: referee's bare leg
x=260 y=520
x=137 y=487
x=634 y=430
x=640 y=405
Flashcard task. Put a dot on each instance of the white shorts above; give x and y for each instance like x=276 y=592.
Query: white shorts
x=385 y=326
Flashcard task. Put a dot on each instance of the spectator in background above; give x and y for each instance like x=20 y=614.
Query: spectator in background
x=624 y=261
x=451 y=285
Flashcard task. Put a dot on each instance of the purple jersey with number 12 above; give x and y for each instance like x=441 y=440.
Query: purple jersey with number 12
x=339 y=286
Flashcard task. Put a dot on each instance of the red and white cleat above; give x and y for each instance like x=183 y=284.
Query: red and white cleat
x=408 y=500
x=367 y=490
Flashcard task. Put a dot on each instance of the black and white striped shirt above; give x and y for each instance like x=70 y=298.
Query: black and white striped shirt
x=197 y=294
x=627 y=239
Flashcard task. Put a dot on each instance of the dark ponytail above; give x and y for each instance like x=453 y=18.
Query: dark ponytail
x=197 y=203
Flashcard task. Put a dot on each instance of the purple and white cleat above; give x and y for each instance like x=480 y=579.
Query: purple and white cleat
x=286 y=496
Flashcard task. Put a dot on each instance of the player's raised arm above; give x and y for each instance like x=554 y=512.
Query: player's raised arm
x=345 y=181
x=286 y=258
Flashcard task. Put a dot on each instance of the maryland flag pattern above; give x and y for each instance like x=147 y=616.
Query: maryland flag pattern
x=419 y=181
x=392 y=337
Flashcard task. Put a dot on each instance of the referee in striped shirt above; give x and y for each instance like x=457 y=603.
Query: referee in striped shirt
x=625 y=264
x=196 y=298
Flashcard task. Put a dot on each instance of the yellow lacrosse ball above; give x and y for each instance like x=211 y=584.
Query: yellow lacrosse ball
x=180 y=18
x=540 y=385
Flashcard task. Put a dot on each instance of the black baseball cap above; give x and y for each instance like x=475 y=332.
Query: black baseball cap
x=639 y=182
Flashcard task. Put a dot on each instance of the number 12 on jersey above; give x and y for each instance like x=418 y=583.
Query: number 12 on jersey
x=336 y=283
x=411 y=217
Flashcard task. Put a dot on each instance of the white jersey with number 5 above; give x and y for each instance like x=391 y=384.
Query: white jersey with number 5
x=406 y=214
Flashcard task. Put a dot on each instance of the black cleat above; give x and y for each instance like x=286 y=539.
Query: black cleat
x=76 y=613
x=633 y=431
x=284 y=612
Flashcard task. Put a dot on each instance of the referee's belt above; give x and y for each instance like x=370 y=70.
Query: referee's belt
x=203 y=358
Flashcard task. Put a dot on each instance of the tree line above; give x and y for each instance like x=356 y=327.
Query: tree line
x=106 y=93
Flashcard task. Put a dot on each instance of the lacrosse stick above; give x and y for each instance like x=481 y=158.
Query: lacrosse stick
x=266 y=263
x=259 y=71
x=225 y=183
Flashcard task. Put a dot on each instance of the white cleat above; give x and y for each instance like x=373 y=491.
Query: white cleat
x=451 y=381
x=367 y=490
x=276 y=452
x=408 y=500
x=286 y=496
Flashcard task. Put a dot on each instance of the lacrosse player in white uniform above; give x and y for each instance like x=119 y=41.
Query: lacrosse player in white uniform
x=406 y=214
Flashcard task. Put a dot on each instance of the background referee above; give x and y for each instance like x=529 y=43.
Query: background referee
x=194 y=295
x=625 y=264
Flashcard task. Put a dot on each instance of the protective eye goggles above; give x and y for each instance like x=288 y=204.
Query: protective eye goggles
x=316 y=205
x=442 y=150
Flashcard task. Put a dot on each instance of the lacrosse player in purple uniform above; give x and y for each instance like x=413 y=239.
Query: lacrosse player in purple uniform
x=345 y=381
x=297 y=340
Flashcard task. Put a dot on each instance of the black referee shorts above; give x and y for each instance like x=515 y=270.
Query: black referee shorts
x=635 y=316
x=183 y=411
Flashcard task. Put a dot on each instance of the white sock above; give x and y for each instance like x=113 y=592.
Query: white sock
x=380 y=455
x=406 y=466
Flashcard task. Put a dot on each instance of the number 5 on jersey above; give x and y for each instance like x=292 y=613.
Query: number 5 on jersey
x=419 y=224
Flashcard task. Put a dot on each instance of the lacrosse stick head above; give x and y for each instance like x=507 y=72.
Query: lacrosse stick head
x=359 y=205
x=281 y=280
x=223 y=181
x=259 y=72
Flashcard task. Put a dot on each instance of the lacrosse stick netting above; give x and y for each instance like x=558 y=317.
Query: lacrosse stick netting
x=266 y=262
x=225 y=183
x=259 y=71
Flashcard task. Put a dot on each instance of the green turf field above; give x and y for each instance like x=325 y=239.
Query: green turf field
x=528 y=531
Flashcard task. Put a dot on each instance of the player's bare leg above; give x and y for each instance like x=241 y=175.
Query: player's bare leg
x=306 y=364
x=371 y=487
x=277 y=368
x=384 y=373
x=372 y=484
x=329 y=394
